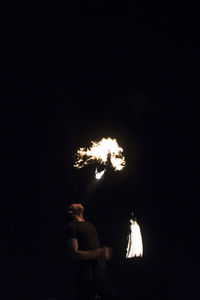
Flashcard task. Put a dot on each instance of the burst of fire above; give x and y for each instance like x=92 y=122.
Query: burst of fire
x=100 y=151
x=135 y=246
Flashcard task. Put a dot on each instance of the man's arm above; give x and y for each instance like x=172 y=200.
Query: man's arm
x=72 y=246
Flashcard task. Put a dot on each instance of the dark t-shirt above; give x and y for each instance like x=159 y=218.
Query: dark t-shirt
x=87 y=237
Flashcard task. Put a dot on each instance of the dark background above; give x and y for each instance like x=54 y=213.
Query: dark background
x=130 y=73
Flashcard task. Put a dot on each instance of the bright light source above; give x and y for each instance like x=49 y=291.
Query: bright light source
x=135 y=246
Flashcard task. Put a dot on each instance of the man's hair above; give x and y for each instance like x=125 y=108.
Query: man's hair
x=69 y=215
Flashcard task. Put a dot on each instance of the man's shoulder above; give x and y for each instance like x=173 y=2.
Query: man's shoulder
x=71 y=230
x=71 y=225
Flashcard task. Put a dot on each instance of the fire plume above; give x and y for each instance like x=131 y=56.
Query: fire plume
x=102 y=151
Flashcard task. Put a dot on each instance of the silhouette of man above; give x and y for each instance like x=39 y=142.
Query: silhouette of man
x=84 y=247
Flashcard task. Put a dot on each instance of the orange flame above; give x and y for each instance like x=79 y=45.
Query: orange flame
x=99 y=151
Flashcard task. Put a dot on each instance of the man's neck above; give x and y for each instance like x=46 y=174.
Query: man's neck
x=79 y=218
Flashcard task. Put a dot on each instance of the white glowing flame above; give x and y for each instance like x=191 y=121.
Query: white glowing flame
x=100 y=152
x=135 y=246
x=98 y=175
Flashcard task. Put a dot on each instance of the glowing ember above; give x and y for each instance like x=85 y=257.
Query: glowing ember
x=135 y=246
x=100 y=152
x=99 y=175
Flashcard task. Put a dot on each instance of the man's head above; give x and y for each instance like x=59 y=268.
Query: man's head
x=75 y=210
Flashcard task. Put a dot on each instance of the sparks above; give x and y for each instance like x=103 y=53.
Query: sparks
x=135 y=246
x=100 y=151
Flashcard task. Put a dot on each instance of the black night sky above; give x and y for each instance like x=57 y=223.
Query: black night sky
x=130 y=73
